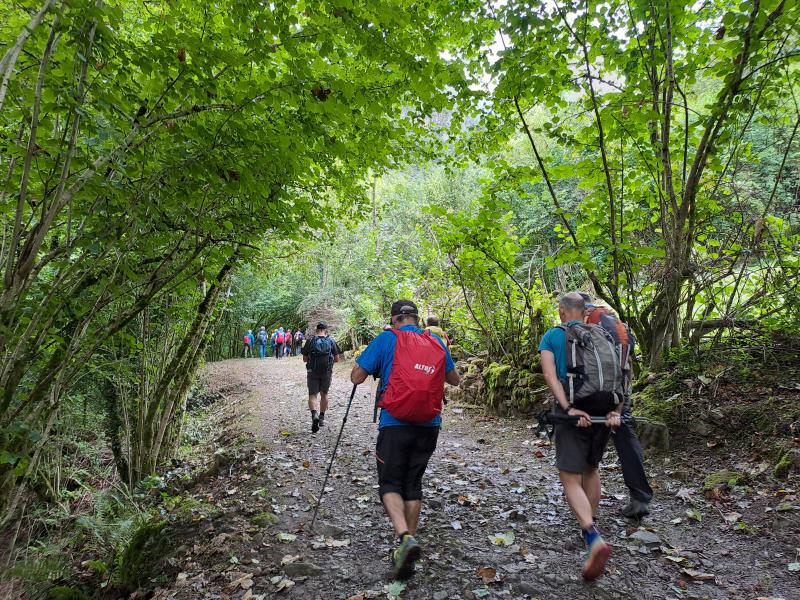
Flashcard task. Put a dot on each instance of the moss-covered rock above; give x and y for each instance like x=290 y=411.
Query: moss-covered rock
x=143 y=556
x=790 y=460
x=63 y=592
x=264 y=519
x=498 y=392
x=721 y=479
x=496 y=375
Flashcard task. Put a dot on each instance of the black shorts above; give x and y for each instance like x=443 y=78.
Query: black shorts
x=318 y=383
x=579 y=449
x=402 y=454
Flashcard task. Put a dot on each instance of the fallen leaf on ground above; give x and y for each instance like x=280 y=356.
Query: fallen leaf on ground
x=685 y=494
x=480 y=592
x=284 y=584
x=694 y=514
x=676 y=559
x=698 y=575
x=794 y=567
x=456 y=525
x=502 y=539
x=395 y=589
x=359 y=596
x=246 y=584
x=286 y=537
x=290 y=558
x=306 y=464
x=732 y=517
x=488 y=574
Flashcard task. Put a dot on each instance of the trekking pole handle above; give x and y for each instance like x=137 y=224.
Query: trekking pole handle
x=561 y=419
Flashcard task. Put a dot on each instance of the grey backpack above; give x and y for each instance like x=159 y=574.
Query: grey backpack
x=595 y=381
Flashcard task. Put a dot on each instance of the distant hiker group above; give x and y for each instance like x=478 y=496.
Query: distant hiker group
x=585 y=360
x=280 y=344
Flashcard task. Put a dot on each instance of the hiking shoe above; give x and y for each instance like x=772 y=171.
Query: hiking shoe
x=404 y=557
x=636 y=509
x=315 y=424
x=595 y=565
x=321 y=419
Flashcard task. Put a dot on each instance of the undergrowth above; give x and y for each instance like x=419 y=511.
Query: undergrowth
x=748 y=386
x=92 y=534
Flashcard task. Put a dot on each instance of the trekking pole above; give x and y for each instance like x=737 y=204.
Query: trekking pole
x=377 y=400
x=330 y=464
x=546 y=419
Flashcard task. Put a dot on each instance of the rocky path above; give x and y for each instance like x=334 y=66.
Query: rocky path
x=494 y=523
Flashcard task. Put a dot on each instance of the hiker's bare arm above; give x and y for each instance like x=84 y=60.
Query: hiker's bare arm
x=452 y=377
x=548 y=363
x=335 y=358
x=305 y=358
x=358 y=375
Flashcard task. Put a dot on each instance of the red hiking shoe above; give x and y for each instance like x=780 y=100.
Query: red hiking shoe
x=595 y=565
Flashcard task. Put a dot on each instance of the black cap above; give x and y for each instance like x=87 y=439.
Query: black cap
x=322 y=325
x=404 y=307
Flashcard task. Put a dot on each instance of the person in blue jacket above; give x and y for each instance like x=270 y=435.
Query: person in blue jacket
x=403 y=449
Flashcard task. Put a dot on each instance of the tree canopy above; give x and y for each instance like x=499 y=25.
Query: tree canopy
x=174 y=173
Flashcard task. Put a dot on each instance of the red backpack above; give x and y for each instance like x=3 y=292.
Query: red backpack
x=416 y=384
x=279 y=339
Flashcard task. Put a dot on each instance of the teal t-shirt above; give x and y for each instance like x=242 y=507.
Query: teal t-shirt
x=555 y=340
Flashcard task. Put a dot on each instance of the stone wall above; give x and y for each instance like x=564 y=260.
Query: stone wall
x=502 y=388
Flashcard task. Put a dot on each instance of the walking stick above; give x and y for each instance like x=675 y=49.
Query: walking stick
x=330 y=464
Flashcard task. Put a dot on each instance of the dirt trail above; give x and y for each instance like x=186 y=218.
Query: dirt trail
x=488 y=476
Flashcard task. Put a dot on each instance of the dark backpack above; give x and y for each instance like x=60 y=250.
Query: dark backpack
x=320 y=355
x=262 y=337
x=623 y=337
x=595 y=381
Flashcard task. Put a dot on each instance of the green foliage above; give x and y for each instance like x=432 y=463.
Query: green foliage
x=503 y=301
x=665 y=193
x=62 y=592
x=148 y=152
x=143 y=557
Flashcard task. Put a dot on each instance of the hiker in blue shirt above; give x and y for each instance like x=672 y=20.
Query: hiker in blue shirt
x=579 y=447
x=262 y=341
x=404 y=448
x=249 y=341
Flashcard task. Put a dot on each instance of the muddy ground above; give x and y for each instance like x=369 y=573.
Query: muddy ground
x=494 y=523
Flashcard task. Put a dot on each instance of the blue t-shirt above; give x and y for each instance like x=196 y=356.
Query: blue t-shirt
x=555 y=340
x=376 y=359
